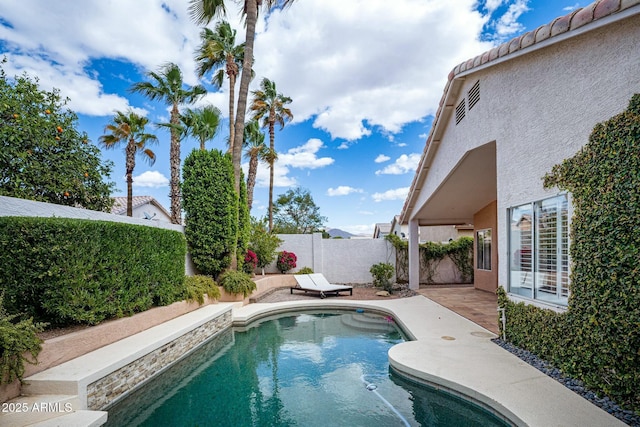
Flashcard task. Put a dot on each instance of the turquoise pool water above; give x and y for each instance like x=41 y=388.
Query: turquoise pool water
x=308 y=369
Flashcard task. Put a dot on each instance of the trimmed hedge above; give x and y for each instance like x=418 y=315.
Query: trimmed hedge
x=597 y=340
x=66 y=271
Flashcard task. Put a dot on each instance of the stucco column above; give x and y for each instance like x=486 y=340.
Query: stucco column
x=316 y=252
x=414 y=255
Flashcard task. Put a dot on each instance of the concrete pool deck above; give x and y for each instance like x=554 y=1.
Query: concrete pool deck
x=455 y=354
x=447 y=351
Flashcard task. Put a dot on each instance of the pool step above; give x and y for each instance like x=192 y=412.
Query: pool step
x=368 y=322
x=50 y=409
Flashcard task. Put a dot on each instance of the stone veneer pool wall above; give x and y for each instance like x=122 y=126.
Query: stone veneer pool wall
x=107 y=390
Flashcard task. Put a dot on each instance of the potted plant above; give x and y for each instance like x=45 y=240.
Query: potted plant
x=236 y=285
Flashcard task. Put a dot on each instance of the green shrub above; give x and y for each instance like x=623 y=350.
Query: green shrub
x=305 y=270
x=16 y=339
x=198 y=285
x=263 y=243
x=382 y=273
x=211 y=210
x=237 y=282
x=66 y=271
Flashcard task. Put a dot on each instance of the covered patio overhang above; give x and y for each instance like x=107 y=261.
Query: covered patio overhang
x=470 y=186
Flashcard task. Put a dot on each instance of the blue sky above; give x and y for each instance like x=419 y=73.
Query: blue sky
x=365 y=77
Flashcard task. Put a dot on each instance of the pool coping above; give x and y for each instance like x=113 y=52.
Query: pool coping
x=452 y=353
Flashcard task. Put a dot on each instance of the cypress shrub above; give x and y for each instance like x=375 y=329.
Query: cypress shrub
x=211 y=210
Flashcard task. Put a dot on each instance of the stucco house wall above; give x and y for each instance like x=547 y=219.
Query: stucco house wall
x=539 y=101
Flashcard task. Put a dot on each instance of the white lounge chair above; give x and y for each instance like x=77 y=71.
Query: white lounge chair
x=318 y=283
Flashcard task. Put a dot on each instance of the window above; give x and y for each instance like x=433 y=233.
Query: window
x=539 y=250
x=483 y=249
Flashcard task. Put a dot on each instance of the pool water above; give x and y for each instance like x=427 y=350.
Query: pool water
x=308 y=369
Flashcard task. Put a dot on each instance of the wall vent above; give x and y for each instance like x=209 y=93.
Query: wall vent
x=474 y=95
x=460 y=111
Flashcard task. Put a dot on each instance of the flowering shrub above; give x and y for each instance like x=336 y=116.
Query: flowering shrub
x=286 y=261
x=250 y=262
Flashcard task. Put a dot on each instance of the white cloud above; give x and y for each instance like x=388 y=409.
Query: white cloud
x=571 y=8
x=403 y=164
x=343 y=190
x=305 y=156
x=153 y=179
x=397 y=194
x=326 y=62
x=382 y=158
x=508 y=23
x=301 y=157
x=357 y=88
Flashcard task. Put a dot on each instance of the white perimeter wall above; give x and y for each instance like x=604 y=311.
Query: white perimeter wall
x=340 y=260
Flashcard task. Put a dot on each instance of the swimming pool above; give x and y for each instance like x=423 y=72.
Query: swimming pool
x=310 y=369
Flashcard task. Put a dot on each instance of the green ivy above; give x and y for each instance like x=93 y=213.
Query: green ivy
x=597 y=339
x=460 y=251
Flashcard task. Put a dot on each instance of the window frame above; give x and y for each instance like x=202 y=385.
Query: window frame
x=483 y=242
x=540 y=249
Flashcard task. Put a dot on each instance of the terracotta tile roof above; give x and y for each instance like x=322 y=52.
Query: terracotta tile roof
x=563 y=24
x=120 y=204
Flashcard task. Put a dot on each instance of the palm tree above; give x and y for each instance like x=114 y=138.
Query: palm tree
x=202 y=12
x=201 y=123
x=255 y=150
x=167 y=85
x=128 y=128
x=218 y=50
x=270 y=106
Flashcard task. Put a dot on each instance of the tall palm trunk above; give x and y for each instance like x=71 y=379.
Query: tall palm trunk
x=245 y=78
x=130 y=164
x=174 y=164
x=232 y=72
x=251 y=179
x=272 y=147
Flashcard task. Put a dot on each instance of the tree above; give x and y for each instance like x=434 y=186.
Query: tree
x=255 y=150
x=263 y=243
x=218 y=50
x=201 y=123
x=202 y=12
x=43 y=156
x=129 y=129
x=295 y=212
x=167 y=86
x=211 y=210
x=270 y=106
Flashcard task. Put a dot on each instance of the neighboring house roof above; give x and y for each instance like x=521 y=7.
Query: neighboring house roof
x=557 y=30
x=120 y=204
x=381 y=229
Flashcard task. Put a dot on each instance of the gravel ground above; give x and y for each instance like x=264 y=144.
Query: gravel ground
x=626 y=416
